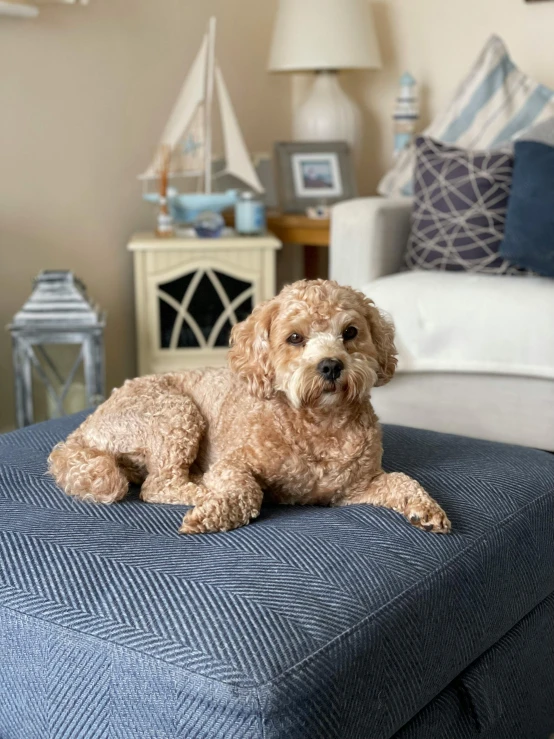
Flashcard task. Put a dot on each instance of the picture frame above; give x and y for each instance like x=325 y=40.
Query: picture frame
x=313 y=173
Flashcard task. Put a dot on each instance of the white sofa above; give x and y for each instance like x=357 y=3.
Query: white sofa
x=476 y=352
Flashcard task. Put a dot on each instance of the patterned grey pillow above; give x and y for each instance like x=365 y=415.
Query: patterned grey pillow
x=460 y=205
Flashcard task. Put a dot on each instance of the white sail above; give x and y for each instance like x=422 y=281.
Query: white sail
x=188 y=133
x=238 y=162
x=188 y=158
x=185 y=114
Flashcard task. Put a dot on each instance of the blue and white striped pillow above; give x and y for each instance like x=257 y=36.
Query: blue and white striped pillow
x=494 y=104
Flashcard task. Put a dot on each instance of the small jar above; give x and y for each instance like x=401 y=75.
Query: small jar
x=249 y=214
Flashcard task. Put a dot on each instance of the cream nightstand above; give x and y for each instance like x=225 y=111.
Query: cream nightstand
x=190 y=292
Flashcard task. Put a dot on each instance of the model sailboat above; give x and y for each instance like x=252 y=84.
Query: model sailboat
x=188 y=138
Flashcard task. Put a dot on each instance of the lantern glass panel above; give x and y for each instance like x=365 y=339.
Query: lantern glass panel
x=58 y=364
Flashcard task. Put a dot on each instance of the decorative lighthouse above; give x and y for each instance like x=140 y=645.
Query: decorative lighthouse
x=406 y=113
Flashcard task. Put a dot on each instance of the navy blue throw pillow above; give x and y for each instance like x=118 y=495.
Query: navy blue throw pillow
x=529 y=233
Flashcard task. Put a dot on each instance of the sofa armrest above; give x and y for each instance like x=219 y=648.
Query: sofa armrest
x=368 y=239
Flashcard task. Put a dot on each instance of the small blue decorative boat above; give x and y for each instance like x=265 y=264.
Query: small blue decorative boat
x=185 y=207
x=188 y=140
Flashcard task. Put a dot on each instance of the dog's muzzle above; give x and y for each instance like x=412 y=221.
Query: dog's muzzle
x=330 y=369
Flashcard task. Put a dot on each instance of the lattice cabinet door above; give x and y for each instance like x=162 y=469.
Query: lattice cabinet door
x=189 y=293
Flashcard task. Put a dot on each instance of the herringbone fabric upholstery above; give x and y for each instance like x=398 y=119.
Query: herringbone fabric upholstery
x=508 y=693
x=310 y=623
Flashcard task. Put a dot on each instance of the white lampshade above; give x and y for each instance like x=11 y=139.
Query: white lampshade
x=324 y=34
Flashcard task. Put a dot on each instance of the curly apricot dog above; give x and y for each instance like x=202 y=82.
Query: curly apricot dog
x=291 y=419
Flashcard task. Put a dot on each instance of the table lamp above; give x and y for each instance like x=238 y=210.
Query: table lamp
x=325 y=36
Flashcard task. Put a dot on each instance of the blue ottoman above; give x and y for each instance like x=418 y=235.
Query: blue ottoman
x=310 y=623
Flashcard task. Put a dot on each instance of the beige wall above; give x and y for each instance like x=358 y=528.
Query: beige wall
x=85 y=92
x=84 y=95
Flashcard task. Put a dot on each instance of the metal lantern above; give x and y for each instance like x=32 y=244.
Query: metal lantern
x=57 y=312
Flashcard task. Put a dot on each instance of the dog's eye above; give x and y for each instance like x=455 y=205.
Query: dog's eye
x=350 y=333
x=295 y=339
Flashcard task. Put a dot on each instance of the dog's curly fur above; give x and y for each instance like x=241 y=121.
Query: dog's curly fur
x=272 y=425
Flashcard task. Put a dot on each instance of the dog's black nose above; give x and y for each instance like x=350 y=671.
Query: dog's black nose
x=330 y=369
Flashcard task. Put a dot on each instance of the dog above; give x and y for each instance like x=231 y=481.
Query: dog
x=289 y=422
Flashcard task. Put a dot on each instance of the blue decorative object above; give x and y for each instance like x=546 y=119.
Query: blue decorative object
x=249 y=215
x=309 y=623
x=529 y=235
x=185 y=207
x=208 y=225
x=406 y=114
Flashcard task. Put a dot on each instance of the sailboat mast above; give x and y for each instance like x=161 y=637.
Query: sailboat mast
x=210 y=72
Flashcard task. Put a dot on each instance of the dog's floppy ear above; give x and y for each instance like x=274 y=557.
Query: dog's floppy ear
x=249 y=353
x=382 y=333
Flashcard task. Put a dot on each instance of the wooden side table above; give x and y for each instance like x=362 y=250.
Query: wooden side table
x=311 y=233
x=190 y=292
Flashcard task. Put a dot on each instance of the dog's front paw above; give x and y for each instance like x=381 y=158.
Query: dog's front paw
x=217 y=515
x=426 y=514
x=171 y=491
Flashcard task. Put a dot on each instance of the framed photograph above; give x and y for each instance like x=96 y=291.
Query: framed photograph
x=314 y=173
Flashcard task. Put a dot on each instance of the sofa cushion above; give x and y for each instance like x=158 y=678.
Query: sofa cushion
x=529 y=236
x=459 y=211
x=459 y=322
x=492 y=105
x=311 y=622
